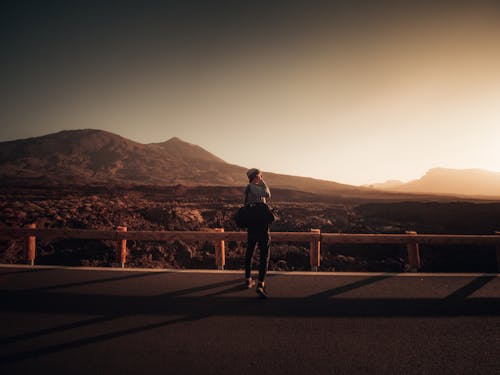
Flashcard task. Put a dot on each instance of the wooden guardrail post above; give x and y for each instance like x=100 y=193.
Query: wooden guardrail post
x=498 y=252
x=315 y=251
x=31 y=246
x=413 y=253
x=220 y=251
x=121 y=247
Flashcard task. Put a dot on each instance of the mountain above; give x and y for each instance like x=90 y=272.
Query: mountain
x=471 y=182
x=95 y=156
x=389 y=184
x=98 y=157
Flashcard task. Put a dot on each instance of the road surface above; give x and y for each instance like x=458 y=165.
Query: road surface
x=107 y=321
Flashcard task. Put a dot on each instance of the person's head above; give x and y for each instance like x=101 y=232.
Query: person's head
x=253 y=173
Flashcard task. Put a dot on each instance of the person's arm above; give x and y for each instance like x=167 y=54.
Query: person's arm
x=266 y=192
x=260 y=190
x=247 y=191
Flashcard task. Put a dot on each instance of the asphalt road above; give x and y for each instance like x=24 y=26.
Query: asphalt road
x=76 y=321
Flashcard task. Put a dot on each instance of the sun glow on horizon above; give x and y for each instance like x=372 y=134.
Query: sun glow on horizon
x=353 y=94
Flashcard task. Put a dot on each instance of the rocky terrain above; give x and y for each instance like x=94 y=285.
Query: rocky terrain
x=202 y=208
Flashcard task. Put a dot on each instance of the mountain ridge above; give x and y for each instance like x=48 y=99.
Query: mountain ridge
x=91 y=156
x=449 y=181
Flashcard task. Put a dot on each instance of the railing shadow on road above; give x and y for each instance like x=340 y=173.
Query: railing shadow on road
x=101 y=319
x=225 y=303
x=30 y=270
x=39 y=352
x=92 y=282
x=58 y=329
x=236 y=288
x=347 y=288
x=470 y=288
x=180 y=308
x=202 y=288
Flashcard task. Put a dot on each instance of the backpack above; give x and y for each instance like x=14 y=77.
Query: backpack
x=242 y=216
x=258 y=213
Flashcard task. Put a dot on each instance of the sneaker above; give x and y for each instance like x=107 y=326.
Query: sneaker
x=261 y=291
x=250 y=283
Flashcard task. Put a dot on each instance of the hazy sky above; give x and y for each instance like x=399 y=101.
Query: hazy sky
x=350 y=91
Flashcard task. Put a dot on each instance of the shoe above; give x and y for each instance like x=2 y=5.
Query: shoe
x=261 y=291
x=250 y=283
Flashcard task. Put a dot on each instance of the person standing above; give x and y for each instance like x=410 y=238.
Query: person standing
x=256 y=195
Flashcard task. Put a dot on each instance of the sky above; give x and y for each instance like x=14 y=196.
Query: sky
x=351 y=91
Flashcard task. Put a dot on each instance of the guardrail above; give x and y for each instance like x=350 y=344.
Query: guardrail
x=315 y=238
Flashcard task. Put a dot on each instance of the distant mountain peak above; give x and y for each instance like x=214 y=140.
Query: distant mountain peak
x=83 y=132
x=175 y=140
x=449 y=181
x=389 y=184
x=177 y=146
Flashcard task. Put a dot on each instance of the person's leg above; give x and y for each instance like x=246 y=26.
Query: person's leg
x=251 y=242
x=264 y=253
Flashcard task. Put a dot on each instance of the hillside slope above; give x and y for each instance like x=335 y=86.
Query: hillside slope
x=97 y=157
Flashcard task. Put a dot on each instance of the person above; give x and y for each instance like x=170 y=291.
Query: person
x=256 y=195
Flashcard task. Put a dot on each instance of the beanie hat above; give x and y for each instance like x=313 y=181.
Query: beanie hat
x=251 y=173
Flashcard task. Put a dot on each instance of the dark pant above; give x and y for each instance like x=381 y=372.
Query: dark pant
x=260 y=236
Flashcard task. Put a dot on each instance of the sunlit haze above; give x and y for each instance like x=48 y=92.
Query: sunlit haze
x=353 y=92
